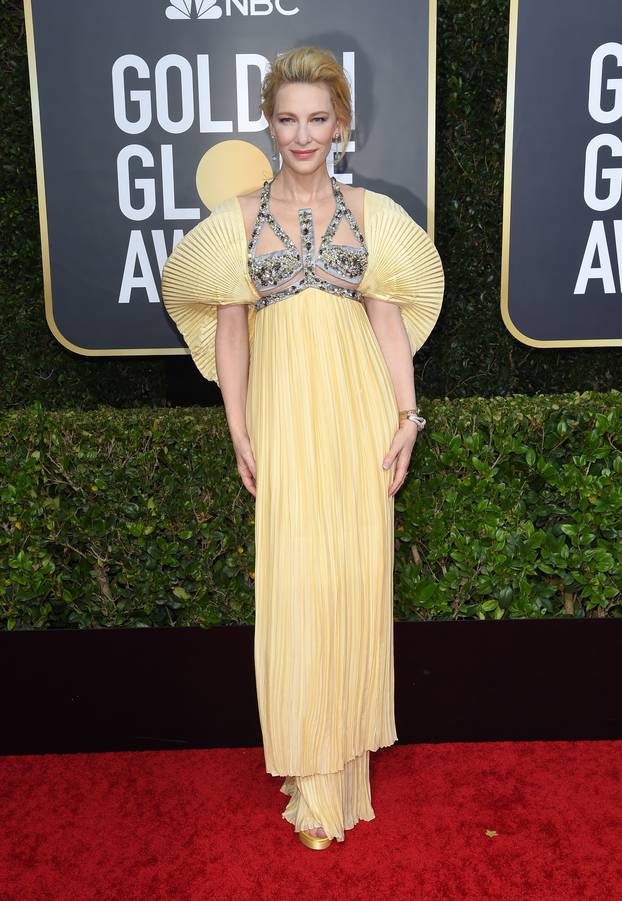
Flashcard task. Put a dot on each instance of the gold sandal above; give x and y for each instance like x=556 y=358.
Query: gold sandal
x=317 y=842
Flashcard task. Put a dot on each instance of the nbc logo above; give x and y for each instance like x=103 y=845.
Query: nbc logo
x=209 y=9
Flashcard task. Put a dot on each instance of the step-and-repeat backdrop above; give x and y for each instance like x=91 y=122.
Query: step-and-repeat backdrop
x=562 y=232
x=146 y=113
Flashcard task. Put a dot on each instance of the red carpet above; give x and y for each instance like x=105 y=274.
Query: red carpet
x=206 y=824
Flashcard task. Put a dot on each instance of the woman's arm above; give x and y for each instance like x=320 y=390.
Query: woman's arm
x=386 y=321
x=232 y=365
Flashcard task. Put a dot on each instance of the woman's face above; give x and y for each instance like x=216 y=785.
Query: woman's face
x=304 y=120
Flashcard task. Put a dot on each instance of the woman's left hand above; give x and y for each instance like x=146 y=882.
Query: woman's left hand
x=400 y=452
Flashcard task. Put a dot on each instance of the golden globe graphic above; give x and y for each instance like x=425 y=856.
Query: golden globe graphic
x=230 y=168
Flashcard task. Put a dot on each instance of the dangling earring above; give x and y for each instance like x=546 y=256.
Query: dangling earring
x=337 y=139
x=275 y=155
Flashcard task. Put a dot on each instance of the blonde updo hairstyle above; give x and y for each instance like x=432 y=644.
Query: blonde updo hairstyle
x=311 y=65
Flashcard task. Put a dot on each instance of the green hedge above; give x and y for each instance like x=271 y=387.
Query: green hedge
x=470 y=352
x=512 y=508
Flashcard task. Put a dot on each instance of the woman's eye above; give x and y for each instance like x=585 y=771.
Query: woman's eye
x=286 y=119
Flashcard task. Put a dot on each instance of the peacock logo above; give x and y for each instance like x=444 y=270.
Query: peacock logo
x=193 y=9
x=210 y=9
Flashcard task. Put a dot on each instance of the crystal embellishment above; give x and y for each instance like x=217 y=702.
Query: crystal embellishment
x=270 y=270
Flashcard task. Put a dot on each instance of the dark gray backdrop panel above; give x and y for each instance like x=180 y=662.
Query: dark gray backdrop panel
x=76 y=45
x=550 y=221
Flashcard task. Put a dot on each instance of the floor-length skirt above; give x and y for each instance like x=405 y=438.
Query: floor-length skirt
x=321 y=414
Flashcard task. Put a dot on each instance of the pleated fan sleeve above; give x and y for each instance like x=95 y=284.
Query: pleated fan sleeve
x=208 y=268
x=404 y=266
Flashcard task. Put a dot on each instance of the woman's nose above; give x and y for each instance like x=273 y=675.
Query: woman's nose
x=302 y=134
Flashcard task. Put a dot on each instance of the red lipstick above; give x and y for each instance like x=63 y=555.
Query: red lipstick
x=303 y=154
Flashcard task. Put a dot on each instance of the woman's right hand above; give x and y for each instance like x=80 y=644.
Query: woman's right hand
x=246 y=463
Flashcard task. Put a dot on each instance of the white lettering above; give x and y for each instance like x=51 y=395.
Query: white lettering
x=144 y=185
x=243 y=62
x=206 y=123
x=347 y=61
x=597 y=244
x=285 y=12
x=261 y=7
x=147 y=186
x=163 y=66
x=137 y=253
x=611 y=49
x=168 y=189
x=611 y=175
x=241 y=5
x=142 y=98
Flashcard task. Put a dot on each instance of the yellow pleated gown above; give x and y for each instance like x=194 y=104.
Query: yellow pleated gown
x=321 y=414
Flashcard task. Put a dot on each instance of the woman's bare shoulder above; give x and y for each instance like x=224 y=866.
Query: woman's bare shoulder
x=350 y=189
x=354 y=197
x=250 y=200
x=249 y=205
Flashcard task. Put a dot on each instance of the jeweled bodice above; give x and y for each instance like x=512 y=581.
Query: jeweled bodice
x=269 y=271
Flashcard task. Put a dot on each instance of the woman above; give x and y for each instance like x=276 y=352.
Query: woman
x=305 y=301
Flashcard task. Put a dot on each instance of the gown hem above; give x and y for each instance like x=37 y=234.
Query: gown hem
x=372 y=748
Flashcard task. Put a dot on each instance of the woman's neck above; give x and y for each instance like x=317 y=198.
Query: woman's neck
x=301 y=189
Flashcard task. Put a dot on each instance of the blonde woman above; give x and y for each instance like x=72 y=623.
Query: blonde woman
x=305 y=300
